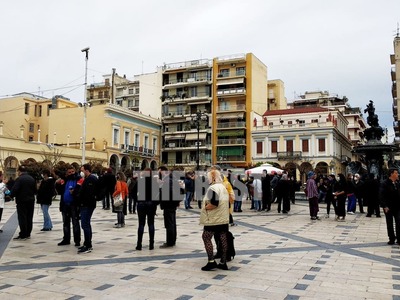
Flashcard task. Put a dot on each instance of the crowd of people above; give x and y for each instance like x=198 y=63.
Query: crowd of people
x=218 y=194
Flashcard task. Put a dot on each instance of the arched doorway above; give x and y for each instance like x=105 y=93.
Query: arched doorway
x=291 y=168
x=153 y=165
x=304 y=168
x=10 y=167
x=125 y=166
x=114 y=163
x=145 y=164
x=322 y=169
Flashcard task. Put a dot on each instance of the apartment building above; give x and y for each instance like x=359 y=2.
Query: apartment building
x=186 y=113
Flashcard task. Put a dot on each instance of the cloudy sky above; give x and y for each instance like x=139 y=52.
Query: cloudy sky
x=339 y=46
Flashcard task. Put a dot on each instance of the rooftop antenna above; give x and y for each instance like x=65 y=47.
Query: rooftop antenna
x=397 y=33
x=142 y=66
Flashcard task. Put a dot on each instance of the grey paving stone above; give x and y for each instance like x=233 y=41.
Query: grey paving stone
x=396 y=286
x=309 y=277
x=37 y=277
x=292 y=297
x=315 y=269
x=320 y=262
x=150 y=269
x=184 y=297
x=301 y=287
x=244 y=262
x=219 y=277
x=203 y=286
x=170 y=261
x=129 y=277
x=75 y=297
x=103 y=287
x=5 y=286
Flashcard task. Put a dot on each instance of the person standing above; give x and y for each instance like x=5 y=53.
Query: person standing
x=109 y=182
x=45 y=196
x=169 y=187
x=329 y=195
x=24 y=190
x=312 y=195
x=189 y=188
x=266 y=191
x=351 y=197
x=121 y=188
x=87 y=205
x=146 y=207
x=284 y=190
x=340 y=194
x=257 y=192
x=68 y=187
x=358 y=185
x=133 y=193
x=389 y=196
x=214 y=216
x=371 y=196
x=3 y=190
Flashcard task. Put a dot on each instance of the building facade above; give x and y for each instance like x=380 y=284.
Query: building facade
x=395 y=73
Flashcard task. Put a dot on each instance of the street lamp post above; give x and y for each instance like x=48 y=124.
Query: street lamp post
x=197 y=119
x=86 y=50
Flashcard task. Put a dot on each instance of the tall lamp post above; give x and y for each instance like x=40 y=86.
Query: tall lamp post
x=86 y=50
x=197 y=119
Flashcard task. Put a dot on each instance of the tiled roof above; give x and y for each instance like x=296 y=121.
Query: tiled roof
x=291 y=111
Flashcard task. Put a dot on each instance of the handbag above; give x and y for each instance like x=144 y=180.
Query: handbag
x=118 y=201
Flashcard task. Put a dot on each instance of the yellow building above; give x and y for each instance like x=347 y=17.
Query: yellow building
x=40 y=129
x=239 y=91
x=395 y=73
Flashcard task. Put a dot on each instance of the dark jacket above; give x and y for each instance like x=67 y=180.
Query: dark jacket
x=109 y=180
x=46 y=191
x=24 y=189
x=87 y=194
x=389 y=195
x=169 y=190
x=61 y=187
x=358 y=188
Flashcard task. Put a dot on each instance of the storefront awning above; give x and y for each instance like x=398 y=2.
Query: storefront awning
x=230 y=81
x=193 y=136
x=174 y=137
x=231 y=116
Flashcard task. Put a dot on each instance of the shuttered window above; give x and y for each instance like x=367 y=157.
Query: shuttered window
x=321 y=145
x=304 y=144
x=274 y=146
x=259 y=147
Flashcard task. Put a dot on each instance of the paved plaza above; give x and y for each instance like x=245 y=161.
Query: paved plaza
x=277 y=257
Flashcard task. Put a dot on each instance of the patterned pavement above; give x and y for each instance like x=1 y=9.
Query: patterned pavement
x=277 y=257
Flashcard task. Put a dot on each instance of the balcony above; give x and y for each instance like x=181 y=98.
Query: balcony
x=231 y=91
x=205 y=63
x=289 y=155
x=393 y=74
x=189 y=81
x=238 y=107
x=239 y=141
x=230 y=158
x=187 y=162
x=137 y=150
x=239 y=124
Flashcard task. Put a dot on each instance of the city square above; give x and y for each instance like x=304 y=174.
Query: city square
x=278 y=256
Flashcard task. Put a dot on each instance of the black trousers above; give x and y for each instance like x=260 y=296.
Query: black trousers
x=25 y=212
x=71 y=214
x=170 y=225
x=393 y=228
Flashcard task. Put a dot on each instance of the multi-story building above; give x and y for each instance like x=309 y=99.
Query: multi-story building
x=395 y=72
x=141 y=94
x=239 y=91
x=303 y=139
x=186 y=113
x=40 y=129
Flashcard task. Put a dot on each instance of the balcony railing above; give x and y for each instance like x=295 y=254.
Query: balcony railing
x=180 y=145
x=231 y=124
x=231 y=141
x=222 y=159
x=231 y=91
x=187 y=162
x=232 y=108
x=289 y=155
x=189 y=80
x=138 y=150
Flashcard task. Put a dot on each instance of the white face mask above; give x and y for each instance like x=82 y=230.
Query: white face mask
x=82 y=174
x=338 y=178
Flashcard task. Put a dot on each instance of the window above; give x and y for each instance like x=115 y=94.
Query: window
x=130 y=91
x=100 y=94
x=36 y=111
x=127 y=137
x=224 y=73
x=193 y=91
x=27 y=108
x=321 y=145
x=154 y=145
x=304 y=145
x=193 y=75
x=130 y=103
x=136 y=102
x=119 y=102
x=259 y=147
x=40 y=110
x=240 y=71
x=290 y=123
x=137 y=90
x=137 y=137
x=289 y=145
x=31 y=127
x=146 y=142
x=48 y=109
x=314 y=121
x=208 y=75
x=274 y=146
x=31 y=138
x=106 y=94
x=302 y=123
x=115 y=136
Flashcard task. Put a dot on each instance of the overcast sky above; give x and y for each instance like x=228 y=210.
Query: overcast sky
x=339 y=46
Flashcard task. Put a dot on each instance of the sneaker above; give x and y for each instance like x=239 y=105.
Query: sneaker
x=85 y=249
x=350 y=213
x=165 y=245
x=63 y=243
x=313 y=218
x=210 y=266
x=318 y=218
x=20 y=238
x=391 y=242
x=222 y=266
